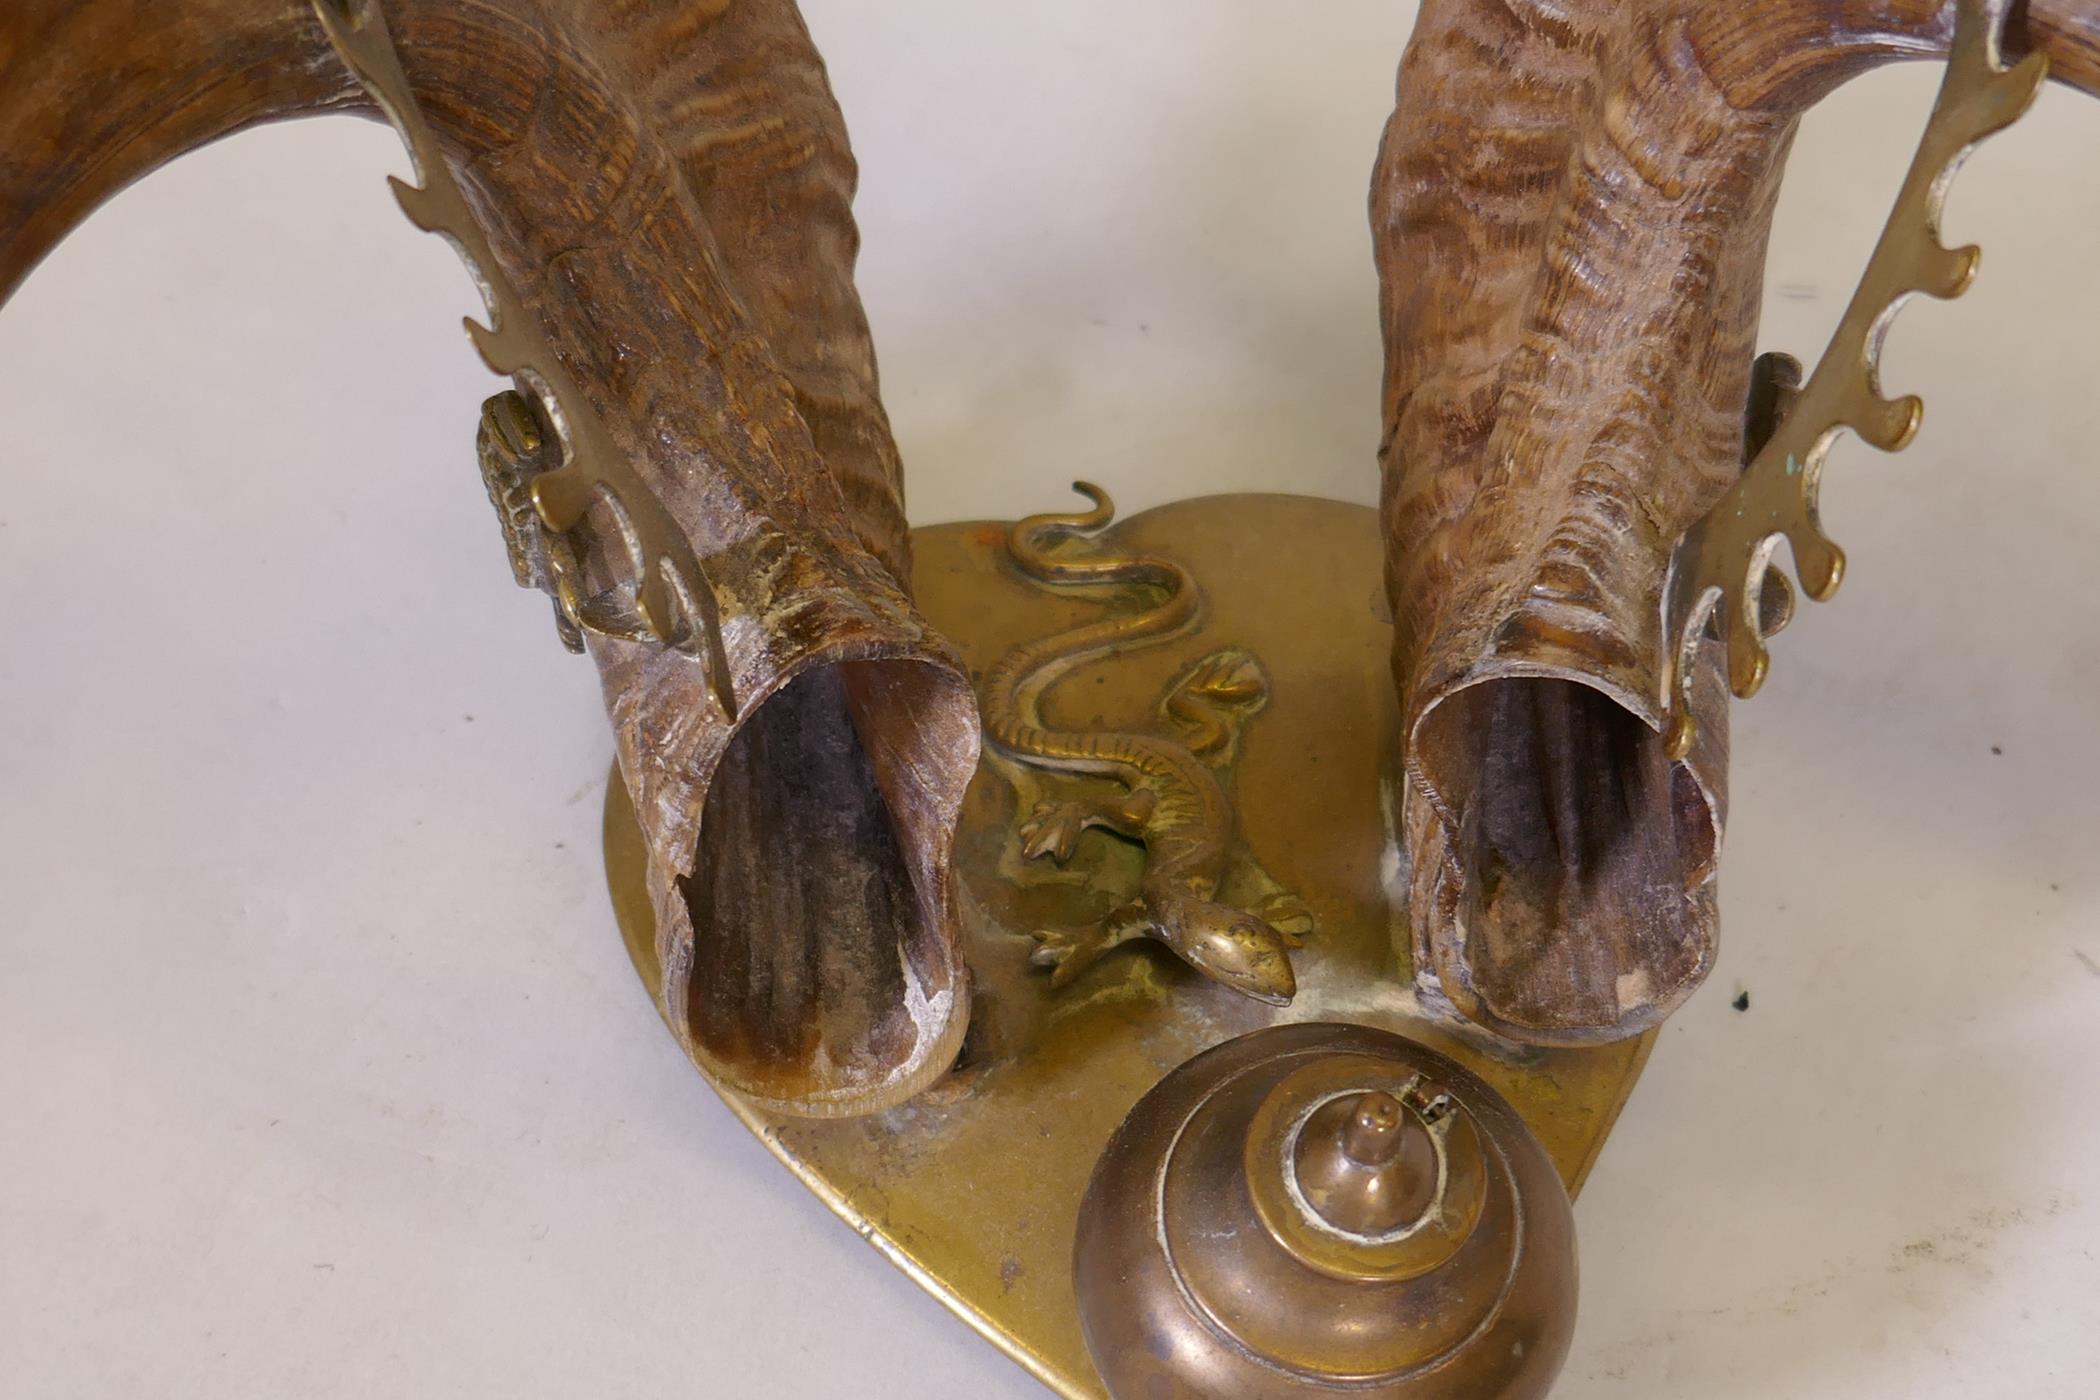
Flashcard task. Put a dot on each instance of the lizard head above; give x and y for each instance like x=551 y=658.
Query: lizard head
x=1233 y=947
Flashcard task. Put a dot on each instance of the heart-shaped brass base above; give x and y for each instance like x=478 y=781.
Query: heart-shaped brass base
x=974 y=1187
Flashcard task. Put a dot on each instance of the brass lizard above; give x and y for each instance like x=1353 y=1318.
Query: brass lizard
x=1172 y=798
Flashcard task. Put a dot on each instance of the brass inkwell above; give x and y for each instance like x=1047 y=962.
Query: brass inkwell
x=1300 y=885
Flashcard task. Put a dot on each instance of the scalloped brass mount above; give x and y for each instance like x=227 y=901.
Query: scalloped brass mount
x=668 y=599
x=1722 y=582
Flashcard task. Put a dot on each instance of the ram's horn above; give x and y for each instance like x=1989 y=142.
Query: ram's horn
x=661 y=189
x=1570 y=211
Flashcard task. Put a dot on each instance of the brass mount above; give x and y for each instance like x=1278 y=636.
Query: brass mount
x=666 y=597
x=974 y=1188
x=1722 y=581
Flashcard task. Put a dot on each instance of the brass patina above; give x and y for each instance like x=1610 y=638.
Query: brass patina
x=1364 y=1166
x=1326 y=1210
x=974 y=1188
x=666 y=595
x=1721 y=573
x=1163 y=788
x=1493 y=828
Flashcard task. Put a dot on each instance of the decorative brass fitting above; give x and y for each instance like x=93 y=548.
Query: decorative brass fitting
x=1721 y=569
x=1325 y=1210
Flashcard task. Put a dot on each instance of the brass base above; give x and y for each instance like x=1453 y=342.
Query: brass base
x=974 y=1188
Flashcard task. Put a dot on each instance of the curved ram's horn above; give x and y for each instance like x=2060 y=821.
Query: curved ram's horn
x=657 y=191
x=1570 y=211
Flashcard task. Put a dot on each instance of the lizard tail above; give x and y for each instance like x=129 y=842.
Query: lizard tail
x=1015 y=685
x=1031 y=540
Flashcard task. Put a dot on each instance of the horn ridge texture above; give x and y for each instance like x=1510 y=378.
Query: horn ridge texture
x=1570 y=211
x=656 y=195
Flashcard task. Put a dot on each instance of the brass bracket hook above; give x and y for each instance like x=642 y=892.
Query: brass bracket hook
x=669 y=599
x=1721 y=569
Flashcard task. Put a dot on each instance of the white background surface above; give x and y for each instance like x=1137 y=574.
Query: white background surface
x=322 y=1072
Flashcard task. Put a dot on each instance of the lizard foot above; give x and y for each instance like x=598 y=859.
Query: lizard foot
x=1290 y=916
x=1053 y=830
x=1068 y=951
x=1228 y=677
x=1213 y=698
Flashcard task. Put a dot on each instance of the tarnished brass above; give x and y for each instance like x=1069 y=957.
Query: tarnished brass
x=1325 y=1210
x=667 y=596
x=974 y=1187
x=1164 y=789
x=1723 y=566
x=1569 y=216
x=512 y=452
x=1360 y=1168
x=1364 y=1166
